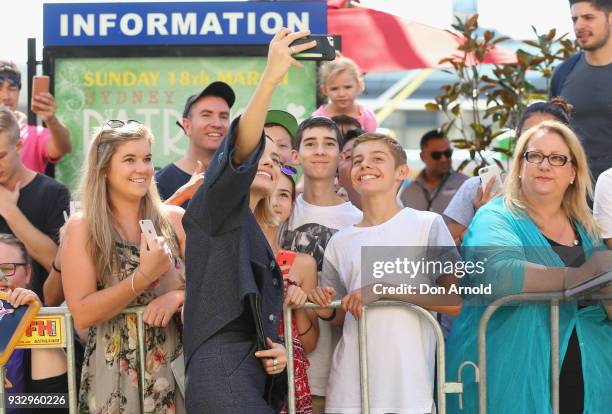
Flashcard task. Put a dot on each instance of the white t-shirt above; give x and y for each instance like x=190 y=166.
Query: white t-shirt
x=309 y=230
x=602 y=205
x=401 y=344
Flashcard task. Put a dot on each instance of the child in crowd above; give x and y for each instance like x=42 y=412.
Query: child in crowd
x=300 y=275
x=341 y=82
x=36 y=370
x=106 y=266
x=318 y=213
x=401 y=344
x=281 y=126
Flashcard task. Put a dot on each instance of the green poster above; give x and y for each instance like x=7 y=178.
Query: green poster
x=153 y=91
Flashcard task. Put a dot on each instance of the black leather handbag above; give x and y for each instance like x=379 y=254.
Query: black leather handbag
x=276 y=389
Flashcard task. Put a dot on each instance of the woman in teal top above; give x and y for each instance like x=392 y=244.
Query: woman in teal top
x=543 y=206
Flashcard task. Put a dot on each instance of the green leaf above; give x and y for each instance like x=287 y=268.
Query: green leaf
x=432 y=107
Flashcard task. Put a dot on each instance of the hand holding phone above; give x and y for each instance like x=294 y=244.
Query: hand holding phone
x=324 y=50
x=491 y=172
x=156 y=260
x=40 y=84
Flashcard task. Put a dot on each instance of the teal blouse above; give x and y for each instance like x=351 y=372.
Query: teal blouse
x=518 y=337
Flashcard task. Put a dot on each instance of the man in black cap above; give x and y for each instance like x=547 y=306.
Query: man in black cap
x=206 y=120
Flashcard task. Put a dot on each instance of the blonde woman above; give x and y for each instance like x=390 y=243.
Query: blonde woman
x=533 y=239
x=106 y=267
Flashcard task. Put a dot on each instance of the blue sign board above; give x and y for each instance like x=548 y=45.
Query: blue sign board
x=206 y=23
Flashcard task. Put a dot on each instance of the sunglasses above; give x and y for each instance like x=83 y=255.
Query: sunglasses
x=288 y=170
x=117 y=123
x=12 y=79
x=436 y=155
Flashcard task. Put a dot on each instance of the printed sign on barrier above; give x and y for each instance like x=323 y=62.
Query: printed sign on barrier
x=44 y=332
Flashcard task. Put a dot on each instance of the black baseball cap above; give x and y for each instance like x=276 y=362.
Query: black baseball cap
x=217 y=88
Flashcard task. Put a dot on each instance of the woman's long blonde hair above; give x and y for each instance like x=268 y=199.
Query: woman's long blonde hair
x=93 y=193
x=574 y=202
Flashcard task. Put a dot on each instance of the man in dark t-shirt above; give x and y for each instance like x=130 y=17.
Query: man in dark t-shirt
x=206 y=119
x=588 y=85
x=31 y=204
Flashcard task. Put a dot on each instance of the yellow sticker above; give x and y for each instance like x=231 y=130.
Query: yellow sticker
x=44 y=332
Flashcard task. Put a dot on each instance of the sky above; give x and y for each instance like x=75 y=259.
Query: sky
x=510 y=18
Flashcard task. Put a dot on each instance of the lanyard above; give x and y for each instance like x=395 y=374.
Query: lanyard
x=432 y=198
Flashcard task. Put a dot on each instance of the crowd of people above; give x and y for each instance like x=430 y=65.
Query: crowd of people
x=264 y=212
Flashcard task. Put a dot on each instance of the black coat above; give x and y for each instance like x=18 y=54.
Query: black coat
x=227 y=256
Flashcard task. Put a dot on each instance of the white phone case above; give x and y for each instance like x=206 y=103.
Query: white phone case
x=486 y=173
x=149 y=231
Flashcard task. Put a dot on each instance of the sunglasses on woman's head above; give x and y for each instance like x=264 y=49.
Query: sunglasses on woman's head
x=436 y=155
x=11 y=78
x=117 y=123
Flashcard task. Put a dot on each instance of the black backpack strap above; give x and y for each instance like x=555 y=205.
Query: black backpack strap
x=561 y=73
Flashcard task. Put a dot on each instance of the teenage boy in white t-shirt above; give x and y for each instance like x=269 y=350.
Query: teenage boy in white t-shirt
x=401 y=344
x=318 y=213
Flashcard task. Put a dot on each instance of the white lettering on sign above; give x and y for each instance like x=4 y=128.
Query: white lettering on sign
x=136 y=23
x=211 y=24
x=107 y=21
x=180 y=24
x=156 y=22
x=232 y=18
x=86 y=26
x=184 y=24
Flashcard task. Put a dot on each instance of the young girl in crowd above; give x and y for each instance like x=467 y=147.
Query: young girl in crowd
x=106 y=267
x=300 y=276
x=341 y=82
x=28 y=370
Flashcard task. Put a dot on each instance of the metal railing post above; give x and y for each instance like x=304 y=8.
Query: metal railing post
x=363 y=363
x=554 y=354
x=2 y=409
x=287 y=316
x=141 y=353
x=72 y=391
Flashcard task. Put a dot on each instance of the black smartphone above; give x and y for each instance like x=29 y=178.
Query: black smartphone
x=324 y=50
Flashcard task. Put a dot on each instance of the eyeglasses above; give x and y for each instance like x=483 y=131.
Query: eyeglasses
x=12 y=78
x=117 y=123
x=9 y=269
x=556 y=160
x=436 y=155
x=288 y=170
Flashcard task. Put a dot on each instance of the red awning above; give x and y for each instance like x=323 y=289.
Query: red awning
x=381 y=42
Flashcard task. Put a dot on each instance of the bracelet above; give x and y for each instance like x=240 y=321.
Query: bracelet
x=55 y=267
x=330 y=317
x=306 y=331
x=133 y=288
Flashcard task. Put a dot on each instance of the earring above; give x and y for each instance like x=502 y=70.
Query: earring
x=520 y=177
x=572 y=182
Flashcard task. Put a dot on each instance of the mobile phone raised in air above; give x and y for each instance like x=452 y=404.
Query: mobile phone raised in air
x=324 y=50
x=148 y=229
x=488 y=172
x=40 y=84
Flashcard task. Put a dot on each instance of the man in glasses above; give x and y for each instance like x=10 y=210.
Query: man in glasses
x=437 y=183
x=31 y=204
x=206 y=120
x=40 y=145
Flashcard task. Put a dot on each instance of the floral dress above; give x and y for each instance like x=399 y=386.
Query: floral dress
x=303 y=399
x=110 y=376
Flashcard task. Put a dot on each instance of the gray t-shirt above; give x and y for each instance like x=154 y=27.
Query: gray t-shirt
x=589 y=89
x=461 y=207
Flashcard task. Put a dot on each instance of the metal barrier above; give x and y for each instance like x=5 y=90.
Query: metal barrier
x=72 y=391
x=481 y=369
x=443 y=387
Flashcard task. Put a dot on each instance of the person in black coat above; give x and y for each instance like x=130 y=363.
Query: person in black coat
x=234 y=288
